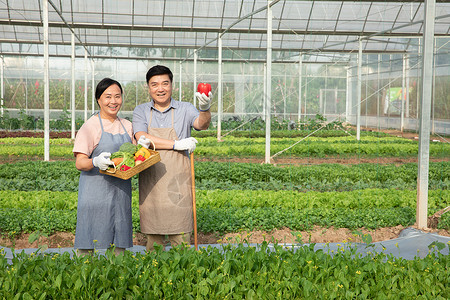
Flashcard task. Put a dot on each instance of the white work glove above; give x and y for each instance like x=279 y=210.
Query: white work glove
x=185 y=144
x=102 y=161
x=144 y=142
x=204 y=102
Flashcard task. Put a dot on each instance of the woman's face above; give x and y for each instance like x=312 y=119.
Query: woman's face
x=110 y=102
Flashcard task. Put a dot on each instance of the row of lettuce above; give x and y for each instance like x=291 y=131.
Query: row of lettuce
x=63 y=176
x=16 y=218
x=344 y=146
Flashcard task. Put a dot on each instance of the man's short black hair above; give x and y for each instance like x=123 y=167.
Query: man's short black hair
x=103 y=85
x=158 y=70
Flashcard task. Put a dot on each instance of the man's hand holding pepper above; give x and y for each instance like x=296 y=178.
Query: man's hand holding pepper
x=204 y=101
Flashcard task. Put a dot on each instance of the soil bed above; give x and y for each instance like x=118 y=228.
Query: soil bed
x=316 y=235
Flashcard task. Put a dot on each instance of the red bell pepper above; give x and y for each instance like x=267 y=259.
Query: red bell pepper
x=124 y=168
x=140 y=158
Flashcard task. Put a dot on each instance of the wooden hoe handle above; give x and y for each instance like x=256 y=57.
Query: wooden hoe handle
x=193 y=201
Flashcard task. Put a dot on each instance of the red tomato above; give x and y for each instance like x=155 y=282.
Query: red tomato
x=204 y=88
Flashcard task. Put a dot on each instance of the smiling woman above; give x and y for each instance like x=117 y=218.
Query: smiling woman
x=110 y=102
x=103 y=201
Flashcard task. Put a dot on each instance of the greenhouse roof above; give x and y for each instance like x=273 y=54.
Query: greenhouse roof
x=162 y=29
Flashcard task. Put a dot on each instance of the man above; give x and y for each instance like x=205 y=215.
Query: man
x=165 y=189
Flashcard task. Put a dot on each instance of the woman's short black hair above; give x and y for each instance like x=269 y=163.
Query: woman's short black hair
x=158 y=70
x=103 y=85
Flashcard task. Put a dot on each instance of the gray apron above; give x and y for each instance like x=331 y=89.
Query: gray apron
x=104 y=202
x=165 y=190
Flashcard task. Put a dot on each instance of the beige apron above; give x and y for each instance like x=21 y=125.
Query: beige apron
x=165 y=190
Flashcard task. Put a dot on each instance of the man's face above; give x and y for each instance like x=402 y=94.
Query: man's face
x=160 y=88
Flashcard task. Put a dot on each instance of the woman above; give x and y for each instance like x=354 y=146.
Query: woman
x=104 y=202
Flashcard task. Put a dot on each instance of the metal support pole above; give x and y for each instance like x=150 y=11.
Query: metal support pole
x=306 y=92
x=219 y=92
x=264 y=91
x=269 y=81
x=433 y=98
x=378 y=92
x=366 y=97
x=85 y=85
x=26 y=89
x=284 y=93
x=72 y=88
x=425 y=114
x=2 y=92
x=348 y=96
x=300 y=87
x=358 y=93
x=180 y=94
x=195 y=77
x=46 y=85
x=402 y=112
x=93 y=86
x=407 y=85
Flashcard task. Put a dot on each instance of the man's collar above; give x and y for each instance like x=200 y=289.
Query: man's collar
x=173 y=104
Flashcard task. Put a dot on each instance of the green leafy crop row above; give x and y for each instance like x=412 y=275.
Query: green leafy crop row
x=233 y=146
x=63 y=176
x=369 y=198
x=222 y=220
x=236 y=272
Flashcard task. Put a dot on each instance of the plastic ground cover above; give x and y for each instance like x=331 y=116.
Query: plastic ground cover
x=410 y=244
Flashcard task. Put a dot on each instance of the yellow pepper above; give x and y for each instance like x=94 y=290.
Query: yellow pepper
x=144 y=152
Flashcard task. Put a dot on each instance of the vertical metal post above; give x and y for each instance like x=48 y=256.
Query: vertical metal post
x=195 y=77
x=378 y=92
x=72 y=87
x=85 y=85
x=366 y=98
x=269 y=81
x=2 y=93
x=264 y=91
x=348 y=96
x=26 y=87
x=407 y=85
x=93 y=85
x=284 y=93
x=425 y=113
x=402 y=112
x=219 y=92
x=433 y=98
x=300 y=87
x=46 y=85
x=418 y=83
x=306 y=92
x=180 y=94
x=358 y=93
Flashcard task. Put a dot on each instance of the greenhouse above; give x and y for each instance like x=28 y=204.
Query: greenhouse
x=330 y=126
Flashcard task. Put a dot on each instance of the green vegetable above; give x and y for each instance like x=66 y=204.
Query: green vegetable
x=128 y=160
x=129 y=148
x=126 y=151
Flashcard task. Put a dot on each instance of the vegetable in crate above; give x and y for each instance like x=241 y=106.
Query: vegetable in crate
x=141 y=155
x=126 y=153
